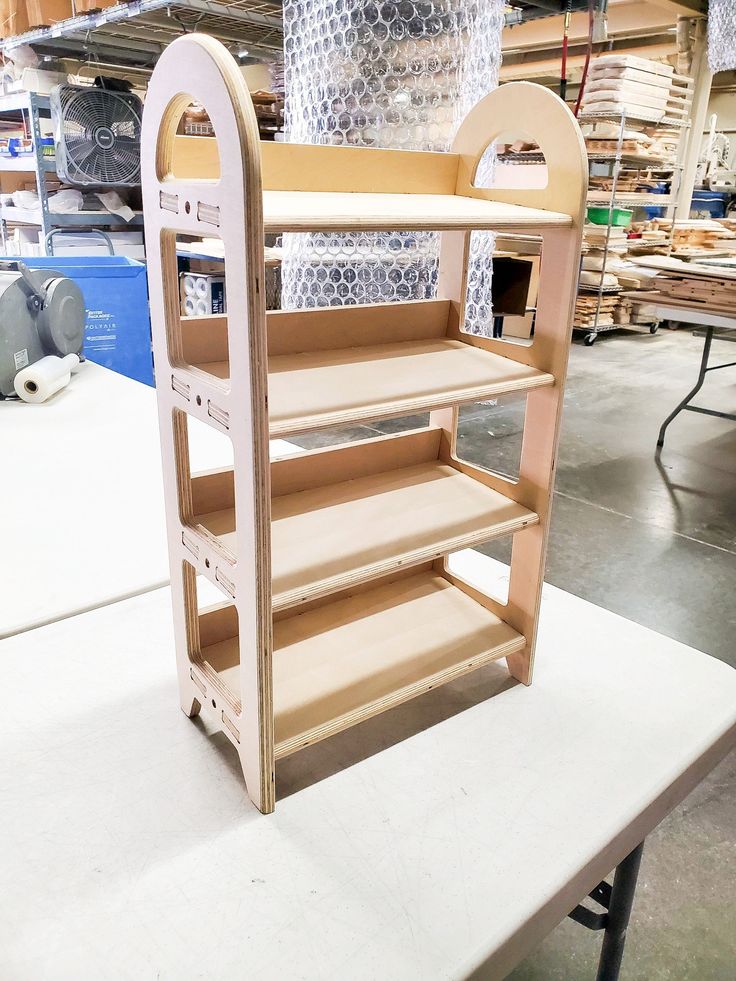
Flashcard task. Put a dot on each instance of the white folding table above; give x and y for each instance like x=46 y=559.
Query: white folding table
x=470 y=823
x=713 y=326
x=441 y=840
x=80 y=472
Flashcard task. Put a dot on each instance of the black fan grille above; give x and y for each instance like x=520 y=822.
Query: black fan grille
x=99 y=137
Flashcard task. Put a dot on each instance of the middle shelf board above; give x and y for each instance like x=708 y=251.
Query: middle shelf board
x=363 y=362
x=344 y=386
x=352 y=513
x=346 y=661
x=306 y=211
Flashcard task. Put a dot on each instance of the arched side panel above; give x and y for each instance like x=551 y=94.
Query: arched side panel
x=524 y=107
x=512 y=109
x=199 y=68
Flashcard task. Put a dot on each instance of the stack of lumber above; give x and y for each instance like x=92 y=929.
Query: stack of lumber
x=594 y=238
x=695 y=237
x=585 y=307
x=623 y=312
x=269 y=109
x=690 y=285
x=632 y=276
x=626 y=183
x=625 y=83
x=603 y=137
x=637 y=86
x=648 y=237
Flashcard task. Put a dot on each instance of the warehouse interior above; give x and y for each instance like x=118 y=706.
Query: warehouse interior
x=623 y=482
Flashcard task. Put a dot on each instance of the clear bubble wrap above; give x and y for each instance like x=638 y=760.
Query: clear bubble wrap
x=721 y=35
x=393 y=75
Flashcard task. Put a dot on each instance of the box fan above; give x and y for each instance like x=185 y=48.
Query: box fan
x=98 y=136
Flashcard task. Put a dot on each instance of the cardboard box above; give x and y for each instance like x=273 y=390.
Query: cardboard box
x=84 y=6
x=13 y=18
x=510 y=285
x=43 y=13
x=520 y=325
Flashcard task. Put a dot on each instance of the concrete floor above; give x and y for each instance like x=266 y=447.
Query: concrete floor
x=655 y=541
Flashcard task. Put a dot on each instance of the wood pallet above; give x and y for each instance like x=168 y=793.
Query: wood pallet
x=337 y=600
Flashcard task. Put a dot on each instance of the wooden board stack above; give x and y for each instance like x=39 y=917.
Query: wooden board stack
x=626 y=83
x=337 y=599
x=585 y=307
x=637 y=86
x=594 y=238
x=699 y=237
x=689 y=284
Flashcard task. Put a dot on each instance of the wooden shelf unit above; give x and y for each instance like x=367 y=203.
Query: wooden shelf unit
x=338 y=603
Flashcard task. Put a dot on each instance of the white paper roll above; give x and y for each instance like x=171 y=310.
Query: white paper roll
x=41 y=380
x=190 y=306
x=190 y=285
x=202 y=308
x=202 y=287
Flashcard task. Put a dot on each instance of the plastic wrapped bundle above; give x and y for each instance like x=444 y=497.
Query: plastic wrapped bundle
x=395 y=75
x=721 y=35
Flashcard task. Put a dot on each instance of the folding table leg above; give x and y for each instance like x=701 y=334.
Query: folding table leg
x=619 y=912
x=694 y=391
x=617 y=901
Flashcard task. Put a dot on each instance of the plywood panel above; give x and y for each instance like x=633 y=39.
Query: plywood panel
x=347 y=661
x=344 y=386
x=393 y=503
x=296 y=211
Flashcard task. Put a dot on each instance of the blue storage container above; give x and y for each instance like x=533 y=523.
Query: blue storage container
x=117 y=334
x=712 y=203
x=653 y=211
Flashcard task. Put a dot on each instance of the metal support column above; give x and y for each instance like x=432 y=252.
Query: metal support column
x=703 y=79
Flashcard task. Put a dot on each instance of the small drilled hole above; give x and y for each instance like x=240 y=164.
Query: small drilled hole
x=213 y=704
x=199 y=400
x=187 y=207
x=207 y=563
x=31 y=386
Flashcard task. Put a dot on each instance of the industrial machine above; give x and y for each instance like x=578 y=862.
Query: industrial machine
x=42 y=314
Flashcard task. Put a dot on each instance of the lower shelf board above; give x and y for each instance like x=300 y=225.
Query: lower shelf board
x=346 y=661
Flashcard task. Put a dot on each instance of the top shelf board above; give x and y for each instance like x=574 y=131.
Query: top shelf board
x=336 y=188
x=300 y=211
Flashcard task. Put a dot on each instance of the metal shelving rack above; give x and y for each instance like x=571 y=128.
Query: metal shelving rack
x=35 y=107
x=618 y=160
x=135 y=34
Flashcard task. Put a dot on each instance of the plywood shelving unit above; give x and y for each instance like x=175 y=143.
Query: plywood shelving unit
x=337 y=601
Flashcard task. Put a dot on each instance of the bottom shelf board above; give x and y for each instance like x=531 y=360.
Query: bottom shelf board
x=341 y=663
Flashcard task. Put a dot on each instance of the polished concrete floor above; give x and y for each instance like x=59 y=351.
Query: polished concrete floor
x=654 y=539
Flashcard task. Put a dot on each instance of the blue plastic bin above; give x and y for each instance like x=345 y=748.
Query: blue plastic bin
x=118 y=329
x=712 y=203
